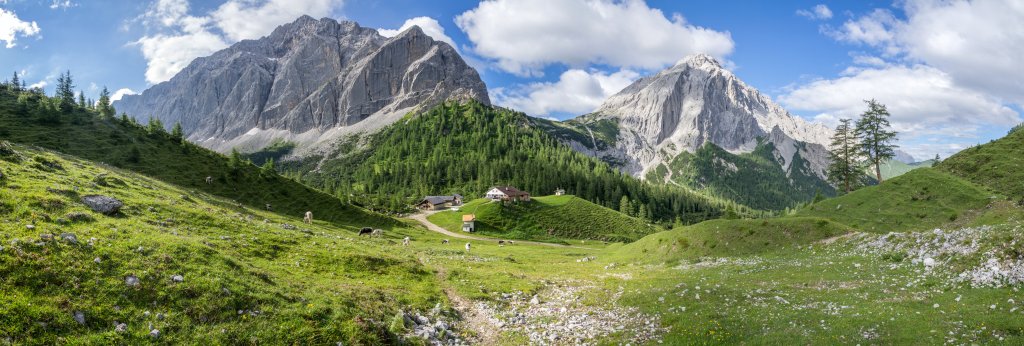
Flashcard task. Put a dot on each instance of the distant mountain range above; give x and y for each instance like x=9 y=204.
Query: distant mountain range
x=314 y=83
x=309 y=81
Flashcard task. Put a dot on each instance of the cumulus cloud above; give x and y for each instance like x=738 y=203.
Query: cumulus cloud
x=978 y=43
x=523 y=36
x=430 y=26
x=923 y=100
x=121 y=92
x=818 y=12
x=576 y=92
x=249 y=19
x=11 y=27
x=40 y=84
x=182 y=37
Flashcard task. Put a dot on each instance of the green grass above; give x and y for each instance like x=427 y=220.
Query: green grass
x=314 y=284
x=721 y=238
x=892 y=168
x=921 y=199
x=547 y=218
x=998 y=165
x=113 y=141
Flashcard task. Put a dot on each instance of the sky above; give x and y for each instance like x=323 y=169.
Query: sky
x=947 y=70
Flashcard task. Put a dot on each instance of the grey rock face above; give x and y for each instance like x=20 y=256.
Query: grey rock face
x=698 y=101
x=102 y=204
x=304 y=79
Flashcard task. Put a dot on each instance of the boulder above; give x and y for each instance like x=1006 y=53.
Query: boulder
x=131 y=280
x=70 y=238
x=103 y=204
x=79 y=317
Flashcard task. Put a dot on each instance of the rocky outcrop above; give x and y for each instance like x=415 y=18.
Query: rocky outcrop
x=103 y=204
x=308 y=81
x=697 y=101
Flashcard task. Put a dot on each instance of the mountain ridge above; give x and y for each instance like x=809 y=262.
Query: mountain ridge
x=309 y=81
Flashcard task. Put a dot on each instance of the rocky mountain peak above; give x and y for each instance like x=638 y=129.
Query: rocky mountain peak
x=309 y=81
x=700 y=60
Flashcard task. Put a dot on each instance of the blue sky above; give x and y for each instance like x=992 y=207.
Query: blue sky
x=948 y=86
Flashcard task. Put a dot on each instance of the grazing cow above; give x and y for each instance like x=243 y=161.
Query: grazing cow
x=377 y=233
x=405 y=242
x=501 y=243
x=511 y=242
x=444 y=241
x=209 y=180
x=308 y=218
x=268 y=206
x=467 y=247
x=366 y=230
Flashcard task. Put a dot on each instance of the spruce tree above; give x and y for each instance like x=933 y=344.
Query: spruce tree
x=81 y=100
x=103 y=105
x=845 y=169
x=65 y=92
x=876 y=137
x=177 y=135
x=16 y=82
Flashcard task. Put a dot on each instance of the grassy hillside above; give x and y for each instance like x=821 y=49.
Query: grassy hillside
x=248 y=276
x=892 y=168
x=125 y=144
x=547 y=218
x=921 y=199
x=754 y=179
x=467 y=148
x=998 y=164
x=729 y=238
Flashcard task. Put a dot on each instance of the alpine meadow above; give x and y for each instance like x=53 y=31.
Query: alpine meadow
x=511 y=172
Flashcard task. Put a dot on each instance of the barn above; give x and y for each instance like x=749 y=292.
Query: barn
x=507 y=193
x=439 y=202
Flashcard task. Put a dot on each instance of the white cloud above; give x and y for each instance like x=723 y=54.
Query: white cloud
x=818 y=12
x=121 y=92
x=923 y=101
x=11 y=27
x=250 y=19
x=40 y=84
x=62 y=4
x=576 y=92
x=979 y=43
x=429 y=25
x=168 y=54
x=182 y=37
x=523 y=36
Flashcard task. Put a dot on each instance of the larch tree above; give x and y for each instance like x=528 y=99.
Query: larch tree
x=876 y=136
x=845 y=169
x=103 y=105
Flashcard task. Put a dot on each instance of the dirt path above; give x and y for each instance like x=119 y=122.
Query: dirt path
x=422 y=219
x=485 y=332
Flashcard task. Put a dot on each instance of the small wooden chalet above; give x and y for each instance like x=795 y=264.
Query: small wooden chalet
x=468 y=223
x=439 y=202
x=507 y=193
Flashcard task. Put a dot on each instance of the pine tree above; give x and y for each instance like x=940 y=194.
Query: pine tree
x=16 y=82
x=937 y=159
x=176 y=133
x=155 y=126
x=267 y=170
x=65 y=92
x=845 y=169
x=876 y=137
x=103 y=105
x=81 y=100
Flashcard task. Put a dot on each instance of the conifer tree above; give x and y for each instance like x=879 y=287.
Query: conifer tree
x=66 y=92
x=81 y=100
x=876 y=137
x=176 y=133
x=845 y=169
x=16 y=82
x=103 y=105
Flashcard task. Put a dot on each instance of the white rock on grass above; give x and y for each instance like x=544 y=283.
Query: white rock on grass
x=155 y=333
x=177 y=278
x=131 y=280
x=79 y=317
x=929 y=262
x=120 y=327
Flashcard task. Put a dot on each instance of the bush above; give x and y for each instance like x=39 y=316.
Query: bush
x=8 y=153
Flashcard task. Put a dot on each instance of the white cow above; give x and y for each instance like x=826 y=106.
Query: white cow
x=308 y=218
x=467 y=247
x=405 y=242
x=209 y=180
